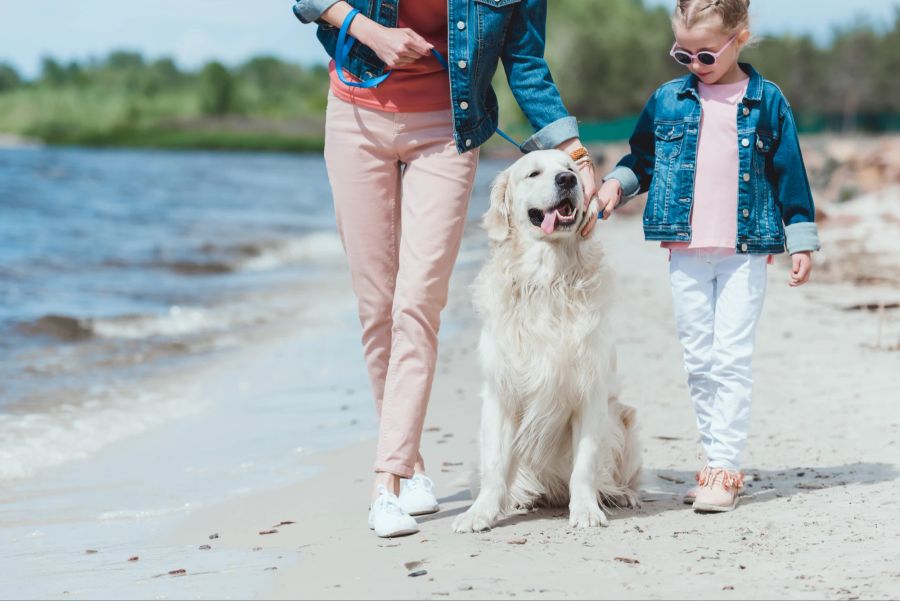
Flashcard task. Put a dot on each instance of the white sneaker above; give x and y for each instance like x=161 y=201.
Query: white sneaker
x=417 y=495
x=386 y=517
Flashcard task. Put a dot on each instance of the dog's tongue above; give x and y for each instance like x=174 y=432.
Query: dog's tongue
x=549 y=223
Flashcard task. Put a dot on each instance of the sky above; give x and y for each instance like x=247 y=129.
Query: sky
x=196 y=31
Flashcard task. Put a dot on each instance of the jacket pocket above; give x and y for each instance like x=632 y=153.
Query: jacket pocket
x=669 y=139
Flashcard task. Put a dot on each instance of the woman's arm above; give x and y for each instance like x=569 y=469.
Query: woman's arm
x=530 y=80
x=532 y=85
x=394 y=46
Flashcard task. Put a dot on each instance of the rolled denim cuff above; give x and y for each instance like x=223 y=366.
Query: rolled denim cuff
x=552 y=135
x=802 y=237
x=310 y=10
x=629 y=181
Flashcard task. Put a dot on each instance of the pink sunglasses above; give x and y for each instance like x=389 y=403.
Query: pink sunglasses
x=705 y=57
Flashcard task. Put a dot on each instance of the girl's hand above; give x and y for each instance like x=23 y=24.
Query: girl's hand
x=609 y=196
x=802 y=268
x=395 y=46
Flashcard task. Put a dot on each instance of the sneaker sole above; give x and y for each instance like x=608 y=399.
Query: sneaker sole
x=706 y=508
x=688 y=500
x=398 y=533
x=424 y=511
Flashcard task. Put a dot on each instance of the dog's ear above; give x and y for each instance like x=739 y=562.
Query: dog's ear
x=497 y=220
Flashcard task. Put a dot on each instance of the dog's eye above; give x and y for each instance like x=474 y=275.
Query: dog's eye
x=534 y=174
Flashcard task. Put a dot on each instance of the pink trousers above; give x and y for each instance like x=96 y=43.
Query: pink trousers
x=388 y=169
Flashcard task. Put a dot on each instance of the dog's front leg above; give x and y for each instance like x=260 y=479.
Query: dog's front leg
x=588 y=429
x=497 y=465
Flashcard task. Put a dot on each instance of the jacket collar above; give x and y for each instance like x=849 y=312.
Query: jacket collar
x=754 y=88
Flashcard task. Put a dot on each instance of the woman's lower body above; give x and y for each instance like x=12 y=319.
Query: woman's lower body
x=401 y=194
x=718 y=297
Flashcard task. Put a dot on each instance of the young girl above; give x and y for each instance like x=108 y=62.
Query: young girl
x=717 y=149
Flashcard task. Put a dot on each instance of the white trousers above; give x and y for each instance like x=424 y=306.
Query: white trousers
x=718 y=297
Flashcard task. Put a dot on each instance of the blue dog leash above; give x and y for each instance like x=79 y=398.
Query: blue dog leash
x=345 y=43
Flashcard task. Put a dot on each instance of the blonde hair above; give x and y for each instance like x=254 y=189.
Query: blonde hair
x=735 y=14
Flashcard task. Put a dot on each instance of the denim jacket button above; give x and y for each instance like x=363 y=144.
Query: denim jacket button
x=744 y=247
x=461 y=64
x=460 y=25
x=759 y=144
x=464 y=105
x=745 y=142
x=746 y=177
x=469 y=142
x=746 y=111
x=746 y=213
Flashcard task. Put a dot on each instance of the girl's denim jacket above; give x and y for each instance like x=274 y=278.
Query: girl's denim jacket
x=775 y=204
x=480 y=33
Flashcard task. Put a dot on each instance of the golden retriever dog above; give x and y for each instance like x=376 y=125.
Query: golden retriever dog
x=553 y=431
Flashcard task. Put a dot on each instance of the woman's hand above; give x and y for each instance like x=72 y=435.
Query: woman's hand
x=801 y=269
x=395 y=46
x=608 y=198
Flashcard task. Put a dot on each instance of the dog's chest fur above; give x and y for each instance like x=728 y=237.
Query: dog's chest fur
x=544 y=326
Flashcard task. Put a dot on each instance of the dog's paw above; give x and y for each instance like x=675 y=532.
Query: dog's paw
x=588 y=515
x=475 y=520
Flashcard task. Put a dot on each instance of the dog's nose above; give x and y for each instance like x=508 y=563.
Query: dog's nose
x=566 y=180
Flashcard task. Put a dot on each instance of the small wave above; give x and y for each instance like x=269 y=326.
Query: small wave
x=34 y=441
x=61 y=327
x=211 y=259
x=177 y=322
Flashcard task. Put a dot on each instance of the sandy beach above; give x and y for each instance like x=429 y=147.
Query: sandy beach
x=818 y=519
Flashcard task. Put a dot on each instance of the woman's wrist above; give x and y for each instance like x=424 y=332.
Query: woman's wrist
x=572 y=146
x=362 y=28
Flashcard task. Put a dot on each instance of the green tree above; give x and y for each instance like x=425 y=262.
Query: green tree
x=216 y=90
x=52 y=73
x=9 y=78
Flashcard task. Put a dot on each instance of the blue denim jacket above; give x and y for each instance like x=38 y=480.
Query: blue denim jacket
x=775 y=204
x=480 y=33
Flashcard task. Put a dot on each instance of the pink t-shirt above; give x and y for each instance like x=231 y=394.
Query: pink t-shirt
x=714 y=213
x=420 y=87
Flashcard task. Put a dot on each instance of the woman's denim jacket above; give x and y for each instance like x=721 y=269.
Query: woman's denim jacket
x=480 y=33
x=775 y=205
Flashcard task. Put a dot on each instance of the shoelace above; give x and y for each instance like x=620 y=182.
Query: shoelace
x=420 y=481
x=709 y=477
x=387 y=502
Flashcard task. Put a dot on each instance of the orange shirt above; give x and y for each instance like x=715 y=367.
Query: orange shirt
x=419 y=87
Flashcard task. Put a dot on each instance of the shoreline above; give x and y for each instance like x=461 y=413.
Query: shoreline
x=814 y=521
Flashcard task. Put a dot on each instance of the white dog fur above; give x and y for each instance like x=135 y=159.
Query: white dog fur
x=552 y=429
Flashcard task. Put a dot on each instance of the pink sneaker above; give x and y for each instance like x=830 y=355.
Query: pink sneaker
x=689 y=496
x=718 y=490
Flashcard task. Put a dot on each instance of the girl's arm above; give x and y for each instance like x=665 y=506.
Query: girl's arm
x=395 y=46
x=792 y=190
x=635 y=171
